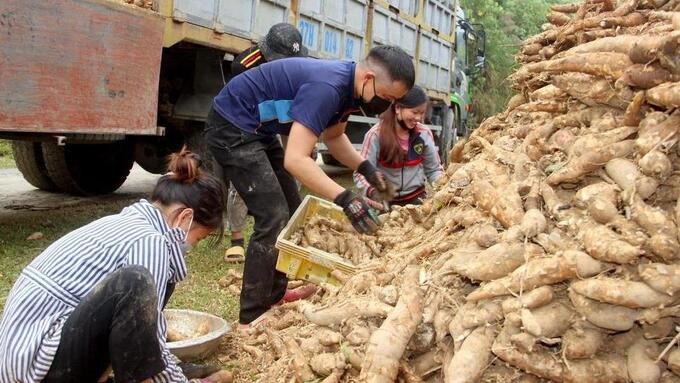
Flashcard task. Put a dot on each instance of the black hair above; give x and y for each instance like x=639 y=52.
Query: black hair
x=414 y=97
x=186 y=184
x=395 y=61
x=390 y=149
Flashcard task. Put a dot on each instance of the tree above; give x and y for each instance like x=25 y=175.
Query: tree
x=507 y=23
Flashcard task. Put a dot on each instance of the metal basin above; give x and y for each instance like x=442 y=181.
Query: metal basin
x=186 y=321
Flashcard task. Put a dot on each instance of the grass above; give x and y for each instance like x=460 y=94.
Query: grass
x=6 y=157
x=200 y=291
x=16 y=251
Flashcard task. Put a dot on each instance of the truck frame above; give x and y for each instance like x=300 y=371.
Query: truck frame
x=88 y=87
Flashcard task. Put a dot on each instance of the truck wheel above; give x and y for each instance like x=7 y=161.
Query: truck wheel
x=151 y=153
x=88 y=169
x=328 y=159
x=29 y=160
x=195 y=142
x=151 y=157
x=447 y=135
x=460 y=128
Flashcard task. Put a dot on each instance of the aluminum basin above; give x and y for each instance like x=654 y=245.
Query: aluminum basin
x=186 y=321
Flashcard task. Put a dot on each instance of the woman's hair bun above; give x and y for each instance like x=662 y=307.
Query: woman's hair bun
x=184 y=166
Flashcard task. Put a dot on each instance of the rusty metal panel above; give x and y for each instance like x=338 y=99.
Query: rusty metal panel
x=78 y=66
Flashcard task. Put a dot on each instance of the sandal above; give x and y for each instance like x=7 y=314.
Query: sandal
x=235 y=254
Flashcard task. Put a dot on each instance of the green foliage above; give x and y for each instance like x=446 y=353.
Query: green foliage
x=6 y=156
x=507 y=23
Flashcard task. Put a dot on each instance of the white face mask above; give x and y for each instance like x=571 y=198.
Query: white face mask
x=186 y=246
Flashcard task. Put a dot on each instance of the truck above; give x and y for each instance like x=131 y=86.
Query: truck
x=89 y=87
x=463 y=51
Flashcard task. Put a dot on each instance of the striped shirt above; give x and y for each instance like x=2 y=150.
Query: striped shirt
x=50 y=287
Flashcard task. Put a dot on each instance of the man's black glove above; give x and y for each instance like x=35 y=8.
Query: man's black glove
x=359 y=213
x=385 y=190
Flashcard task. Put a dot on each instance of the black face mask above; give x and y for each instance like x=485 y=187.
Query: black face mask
x=403 y=125
x=377 y=105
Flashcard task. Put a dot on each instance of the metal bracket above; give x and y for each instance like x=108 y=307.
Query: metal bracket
x=179 y=16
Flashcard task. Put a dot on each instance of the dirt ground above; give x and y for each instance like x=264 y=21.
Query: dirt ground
x=25 y=211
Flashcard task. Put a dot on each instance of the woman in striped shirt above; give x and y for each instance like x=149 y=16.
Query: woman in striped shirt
x=93 y=299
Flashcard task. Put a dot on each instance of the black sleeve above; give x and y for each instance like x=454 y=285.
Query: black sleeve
x=249 y=58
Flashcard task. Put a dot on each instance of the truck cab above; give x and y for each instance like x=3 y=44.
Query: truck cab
x=469 y=60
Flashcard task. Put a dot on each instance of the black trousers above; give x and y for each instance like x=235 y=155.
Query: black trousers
x=415 y=200
x=254 y=165
x=115 y=324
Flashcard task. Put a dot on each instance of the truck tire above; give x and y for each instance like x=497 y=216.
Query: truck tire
x=448 y=133
x=151 y=156
x=328 y=159
x=460 y=128
x=151 y=152
x=88 y=169
x=28 y=157
x=196 y=143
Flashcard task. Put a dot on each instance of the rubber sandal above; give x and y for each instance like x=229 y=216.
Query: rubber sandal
x=235 y=254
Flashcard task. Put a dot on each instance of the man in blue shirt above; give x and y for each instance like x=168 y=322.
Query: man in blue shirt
x=283 y=40
x=304 y=99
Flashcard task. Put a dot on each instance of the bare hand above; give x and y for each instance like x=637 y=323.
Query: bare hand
x=222 y=376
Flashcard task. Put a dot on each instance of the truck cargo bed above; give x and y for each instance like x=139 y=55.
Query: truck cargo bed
x=86 y=66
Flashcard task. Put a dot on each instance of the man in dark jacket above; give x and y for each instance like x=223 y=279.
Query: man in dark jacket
x=283 y=40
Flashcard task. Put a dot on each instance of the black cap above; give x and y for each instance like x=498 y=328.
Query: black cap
x=283 y=40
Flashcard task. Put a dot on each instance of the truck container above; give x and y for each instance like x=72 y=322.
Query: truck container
x=88 y=87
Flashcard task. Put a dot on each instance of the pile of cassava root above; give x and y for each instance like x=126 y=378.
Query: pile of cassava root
x=548 y=252
x=147 y=4
x=337 y=238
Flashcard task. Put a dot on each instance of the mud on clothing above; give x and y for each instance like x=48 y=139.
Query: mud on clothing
x=267 y=99
x=54 y=284
x=421 y=165
x=115 y=324
x=254 y=164
x=241 y=132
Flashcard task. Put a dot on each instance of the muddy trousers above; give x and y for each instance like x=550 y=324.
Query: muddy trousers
x=254 y=165
x=115 y=324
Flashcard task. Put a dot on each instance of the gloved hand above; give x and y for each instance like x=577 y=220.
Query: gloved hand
x=359 y=213
x=373 y=200
x=384 y=189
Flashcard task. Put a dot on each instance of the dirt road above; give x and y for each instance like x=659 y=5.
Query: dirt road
x=18 y=197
